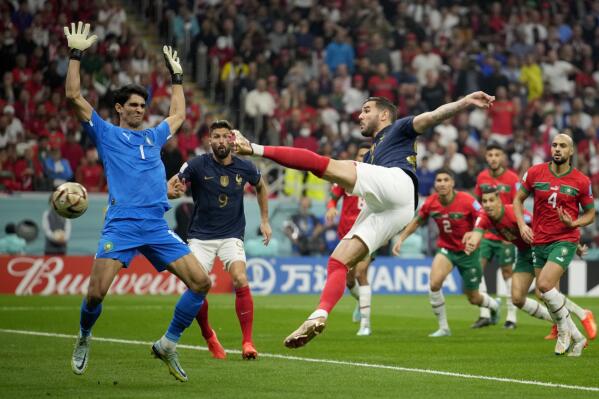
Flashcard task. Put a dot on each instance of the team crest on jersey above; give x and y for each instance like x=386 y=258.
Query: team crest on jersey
x=238 y=179
x=224 y=181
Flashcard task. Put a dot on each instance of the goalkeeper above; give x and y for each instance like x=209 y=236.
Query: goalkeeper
x=137 y=201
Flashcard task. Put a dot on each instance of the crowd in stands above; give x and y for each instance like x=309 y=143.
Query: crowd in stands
x=299 y=71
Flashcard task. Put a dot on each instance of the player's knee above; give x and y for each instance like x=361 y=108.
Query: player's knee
x=544 y=285
x=518 y=300
x=94 y=297
x=240 y=280
x=473 y=299
x=200 y=284
x=435 y=286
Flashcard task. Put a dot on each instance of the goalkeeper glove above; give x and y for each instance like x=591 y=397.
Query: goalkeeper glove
x=173 y=64
x=77 y=39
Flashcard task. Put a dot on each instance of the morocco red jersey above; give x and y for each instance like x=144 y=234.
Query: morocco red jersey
x=507 y=185
x=352 y=205
x=453 y=220
x=506 y=226
x=570 y=190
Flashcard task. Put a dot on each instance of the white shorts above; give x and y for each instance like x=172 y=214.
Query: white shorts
x=229 y=250
x=389 y=197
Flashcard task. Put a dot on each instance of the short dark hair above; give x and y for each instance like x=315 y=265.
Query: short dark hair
x=494 y=146
x=10 y=228
x=446 y=172
x=220 y=124
x=385 y=104
x=122 y=95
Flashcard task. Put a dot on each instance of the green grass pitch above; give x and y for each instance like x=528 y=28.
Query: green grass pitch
x=390 y=363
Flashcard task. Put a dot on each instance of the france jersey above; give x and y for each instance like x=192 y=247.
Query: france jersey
x=137 y=196
x=395 y=146
x=217 y=192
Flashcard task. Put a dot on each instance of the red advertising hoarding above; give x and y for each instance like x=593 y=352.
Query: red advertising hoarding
x=69 y=275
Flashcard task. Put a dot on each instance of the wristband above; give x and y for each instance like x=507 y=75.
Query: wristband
x=76 y=54
x=177 y=79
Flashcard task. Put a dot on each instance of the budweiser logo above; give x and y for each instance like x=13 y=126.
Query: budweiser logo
x=48 y=276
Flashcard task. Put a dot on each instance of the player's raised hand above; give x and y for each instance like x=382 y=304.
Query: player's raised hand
x=565 y=217
x=241 y=145
x=397 y=247
x=172 y=60
x=330 y=215
x=480 y=99
x=266 y=232
x=526 y=233
x=77 y=37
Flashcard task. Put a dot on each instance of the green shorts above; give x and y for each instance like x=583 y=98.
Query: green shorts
x=524 y=262
x=560 y=252
x=503 y=253
x=468 y=266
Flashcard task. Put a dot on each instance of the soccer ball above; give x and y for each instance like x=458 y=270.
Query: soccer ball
x=70 y=200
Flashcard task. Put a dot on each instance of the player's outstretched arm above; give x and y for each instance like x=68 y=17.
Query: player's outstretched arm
x=427 y=120
x=262 y=197
x=78 y=41
x=175 y=187
x=406 y=232
x=176 y=114
x=525 y=230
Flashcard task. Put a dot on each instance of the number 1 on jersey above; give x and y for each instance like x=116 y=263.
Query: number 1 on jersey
x=552 y=199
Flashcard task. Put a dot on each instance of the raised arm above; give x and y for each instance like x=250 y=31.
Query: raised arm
x=176 y=114
x=525 y=230
x=77 y=41
x=427 y=120
x=262 y=196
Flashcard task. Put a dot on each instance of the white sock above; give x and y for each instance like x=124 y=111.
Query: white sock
x=438 y=303
x=482 y=288
x=489 y=302
x=537 y=310
x=318 y=313
x=355 y=291
x=258 y=149
x=511 y=308
x=574 y=308
x=556 y=304
x=365 y=296
x=167 y=345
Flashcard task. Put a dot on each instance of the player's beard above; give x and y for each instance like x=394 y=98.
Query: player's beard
x=369 y=129
x=221 y=152
x=560 y=161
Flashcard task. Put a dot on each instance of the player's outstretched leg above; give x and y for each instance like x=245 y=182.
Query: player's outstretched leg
x=294 y=158
x=484 y=318
x=557 y=307
x=511 y=318
x=331 y=294
x=214 y=346
x=244 y=306
x=364 y=301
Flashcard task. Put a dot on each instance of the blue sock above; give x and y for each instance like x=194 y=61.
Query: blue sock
x=185 y=312
x=88 y=317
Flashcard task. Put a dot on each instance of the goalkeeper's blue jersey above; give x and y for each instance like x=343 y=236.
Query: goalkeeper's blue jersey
x=133 y=168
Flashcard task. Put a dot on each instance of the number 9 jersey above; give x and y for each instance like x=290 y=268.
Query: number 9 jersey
x=550 y=192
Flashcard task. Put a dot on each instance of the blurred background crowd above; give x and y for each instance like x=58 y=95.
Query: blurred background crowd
x=296 y=73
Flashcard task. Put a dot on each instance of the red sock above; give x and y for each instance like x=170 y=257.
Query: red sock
x=334 y=286
x=202 y=319
x=297 y=158
x=244 y=306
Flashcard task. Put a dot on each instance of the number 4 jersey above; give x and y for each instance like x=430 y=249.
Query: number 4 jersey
x=550 y=192
x=453 y=219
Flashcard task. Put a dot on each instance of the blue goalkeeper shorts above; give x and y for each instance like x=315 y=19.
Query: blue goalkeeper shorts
x=122 y=239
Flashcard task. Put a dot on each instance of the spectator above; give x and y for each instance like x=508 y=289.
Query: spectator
x=29 y=172
x=57 y=231
x=171 y=157
x=11 y=243
x=56 y=168
x=556 y=73
x=71 y=151
x=531 y=75
x=426 y=61
x=378 y=53
x=502 y=115
x=304 y=230
x=340 y=52
x=433 y=93
x=426 y=178
x=454 y=160
x=90 y=173
x=382 y=84
x=259 y=105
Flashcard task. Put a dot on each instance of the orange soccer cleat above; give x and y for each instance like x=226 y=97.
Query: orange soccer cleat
x=553 y=334
x=248 y=352
x=589 y=324
x=214 y=346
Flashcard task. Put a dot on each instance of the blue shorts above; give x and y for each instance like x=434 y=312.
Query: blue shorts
x=122 y=239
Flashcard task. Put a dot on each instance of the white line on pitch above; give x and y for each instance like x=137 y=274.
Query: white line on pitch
x=326 y=361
